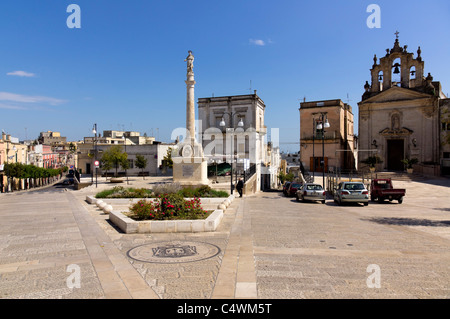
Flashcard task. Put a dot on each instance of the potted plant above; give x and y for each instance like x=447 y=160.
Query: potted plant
x=372 y=161
x=409 y=164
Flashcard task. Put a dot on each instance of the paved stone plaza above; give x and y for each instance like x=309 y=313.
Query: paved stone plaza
x=269 y=246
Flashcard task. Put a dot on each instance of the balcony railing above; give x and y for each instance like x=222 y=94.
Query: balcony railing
x=318 y=136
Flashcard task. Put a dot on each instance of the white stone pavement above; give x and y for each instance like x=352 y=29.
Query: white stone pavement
x=270 y=247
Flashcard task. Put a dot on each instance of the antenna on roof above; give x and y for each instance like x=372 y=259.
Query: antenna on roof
x=250 y=88
x=348 y=99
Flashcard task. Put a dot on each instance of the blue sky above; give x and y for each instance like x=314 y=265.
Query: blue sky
x=124 y=67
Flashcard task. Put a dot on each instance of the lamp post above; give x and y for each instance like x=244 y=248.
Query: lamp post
x=7 y=165
x=240 y=124
x=8 y=174
x=314 y=134
x=94 y=130
x=125 y=142
x=321 y=126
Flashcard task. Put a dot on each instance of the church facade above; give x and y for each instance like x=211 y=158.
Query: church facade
x=401 y=114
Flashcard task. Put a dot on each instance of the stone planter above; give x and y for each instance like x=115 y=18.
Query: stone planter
x=128 y=225
x=116 y=180
x=409 y=170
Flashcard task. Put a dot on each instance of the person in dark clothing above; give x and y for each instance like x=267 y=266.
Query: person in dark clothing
x=240 y=186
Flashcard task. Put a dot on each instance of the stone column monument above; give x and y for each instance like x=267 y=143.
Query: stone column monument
x=190 y=99
x=189 y=165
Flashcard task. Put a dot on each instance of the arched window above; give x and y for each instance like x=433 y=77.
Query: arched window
x=396 y=72
x=380 y=80
x=412 y=73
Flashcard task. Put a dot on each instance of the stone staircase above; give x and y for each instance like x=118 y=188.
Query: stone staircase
x=400 y=176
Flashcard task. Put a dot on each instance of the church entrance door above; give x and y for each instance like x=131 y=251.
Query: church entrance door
x=396 y=152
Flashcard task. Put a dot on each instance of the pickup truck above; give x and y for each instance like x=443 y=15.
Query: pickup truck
x=382 y=189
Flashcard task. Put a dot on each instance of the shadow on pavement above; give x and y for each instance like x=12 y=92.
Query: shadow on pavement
x=409 y=222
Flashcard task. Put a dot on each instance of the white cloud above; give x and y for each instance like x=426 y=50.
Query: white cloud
x=11 y=107
x=22 y=74
x=257 y=42
x=6 y=96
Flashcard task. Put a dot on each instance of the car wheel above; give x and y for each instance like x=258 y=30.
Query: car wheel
x=323 y=202
x=298 y=199
x=366 y=204
x=400 y=200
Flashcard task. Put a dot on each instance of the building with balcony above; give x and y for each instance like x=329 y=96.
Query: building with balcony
x=11 y=151
x=231 y=129
x=336 y=144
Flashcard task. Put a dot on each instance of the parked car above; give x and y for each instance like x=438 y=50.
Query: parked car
x=351 y=192
x=293 y=188
x=311 y=192
x=286 y=187
x=382 y=189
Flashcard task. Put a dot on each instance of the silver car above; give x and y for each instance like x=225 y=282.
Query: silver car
x=311 y=192
x=351 y=192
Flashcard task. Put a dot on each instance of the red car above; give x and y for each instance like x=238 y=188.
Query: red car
x=293 y=188
x=286 y=187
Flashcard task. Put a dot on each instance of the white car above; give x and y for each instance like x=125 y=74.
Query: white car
x=311 y=192
x=351 y=192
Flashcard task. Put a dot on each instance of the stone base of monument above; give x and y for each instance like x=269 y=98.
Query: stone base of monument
x=192 y=171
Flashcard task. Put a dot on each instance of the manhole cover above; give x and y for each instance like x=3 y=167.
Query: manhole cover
x=173 y=252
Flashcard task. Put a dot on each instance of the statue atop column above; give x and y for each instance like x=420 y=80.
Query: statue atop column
x=190 y=167
x=190 y=62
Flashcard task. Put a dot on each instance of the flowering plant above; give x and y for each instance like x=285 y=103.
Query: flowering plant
x=168 y=206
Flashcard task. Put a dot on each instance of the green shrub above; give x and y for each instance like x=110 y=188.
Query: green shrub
x=202 y=191
x=121 y=192
x=105 y=193
x=193 y=209
x=171 y=205
x=144 y=209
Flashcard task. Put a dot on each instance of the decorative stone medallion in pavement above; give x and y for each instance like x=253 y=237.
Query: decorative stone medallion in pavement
x=173 y=252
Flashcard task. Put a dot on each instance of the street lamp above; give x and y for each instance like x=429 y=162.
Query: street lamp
x=323 y=124
x=125 y=142
x=94 y=131
x=8 y=174
x=240 y=124
x=314 y=159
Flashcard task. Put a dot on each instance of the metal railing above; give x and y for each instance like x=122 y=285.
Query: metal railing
x=337 y=175
x=249 y=172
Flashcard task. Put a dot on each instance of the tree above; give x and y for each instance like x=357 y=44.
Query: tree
x=286 y=177
x=141 y=162
x=106 y=166
x=167 y=160
x=115 y=157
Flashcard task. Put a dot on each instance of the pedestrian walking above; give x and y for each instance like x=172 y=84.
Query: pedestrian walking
x=240 y=186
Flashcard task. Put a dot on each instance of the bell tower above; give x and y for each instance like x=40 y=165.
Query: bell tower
x=397 y=68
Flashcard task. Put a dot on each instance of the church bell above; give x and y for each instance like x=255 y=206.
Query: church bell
x=396 y=70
